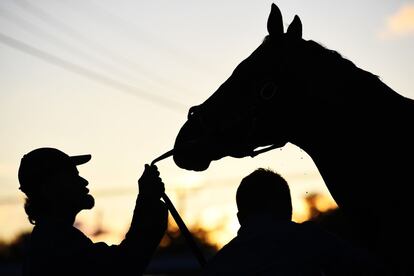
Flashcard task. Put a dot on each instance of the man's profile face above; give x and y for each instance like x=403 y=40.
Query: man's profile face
x=71 y=191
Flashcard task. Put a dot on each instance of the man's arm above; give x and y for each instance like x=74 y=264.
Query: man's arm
x=149 y=222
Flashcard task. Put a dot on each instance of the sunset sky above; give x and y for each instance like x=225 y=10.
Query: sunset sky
x=115 y=79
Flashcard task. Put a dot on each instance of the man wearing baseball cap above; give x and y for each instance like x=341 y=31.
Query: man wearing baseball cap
x=56 y=193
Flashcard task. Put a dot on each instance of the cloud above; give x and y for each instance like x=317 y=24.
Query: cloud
x=400 y=24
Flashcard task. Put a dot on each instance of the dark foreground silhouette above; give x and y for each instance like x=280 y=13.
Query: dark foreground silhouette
x=356 y=129
x=56 y=193
x=270 y=243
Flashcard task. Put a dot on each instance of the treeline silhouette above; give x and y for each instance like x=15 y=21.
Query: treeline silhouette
x=174 y=256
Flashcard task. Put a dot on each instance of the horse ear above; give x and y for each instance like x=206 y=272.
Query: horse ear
x=295 y=28
x=275 y=22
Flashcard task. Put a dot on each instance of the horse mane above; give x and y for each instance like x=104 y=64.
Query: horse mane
x=338 y=73
x=366 y=84
x=326 y=58
x=326 y=55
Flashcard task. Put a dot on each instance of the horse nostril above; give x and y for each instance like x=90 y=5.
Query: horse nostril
x=191 y=112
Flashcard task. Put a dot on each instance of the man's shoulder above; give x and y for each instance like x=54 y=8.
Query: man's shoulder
x=53 y=234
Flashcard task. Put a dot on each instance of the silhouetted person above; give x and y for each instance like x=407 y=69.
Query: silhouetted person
x=270 y=243
x=56 y=193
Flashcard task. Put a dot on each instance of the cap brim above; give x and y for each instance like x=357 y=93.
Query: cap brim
x=80 y=159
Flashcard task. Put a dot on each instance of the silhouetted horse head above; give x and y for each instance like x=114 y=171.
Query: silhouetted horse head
x=260 y=95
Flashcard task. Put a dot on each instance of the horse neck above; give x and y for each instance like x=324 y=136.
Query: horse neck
x=357 y=143
x=348 y=105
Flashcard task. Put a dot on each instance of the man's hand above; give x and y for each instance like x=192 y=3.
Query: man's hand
x=150 y=184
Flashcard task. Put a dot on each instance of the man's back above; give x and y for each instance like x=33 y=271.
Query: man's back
x=265 y=246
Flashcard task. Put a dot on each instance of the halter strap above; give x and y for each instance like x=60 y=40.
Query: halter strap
x=257 y=152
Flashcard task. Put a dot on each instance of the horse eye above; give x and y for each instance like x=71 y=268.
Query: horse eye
x=268 y=90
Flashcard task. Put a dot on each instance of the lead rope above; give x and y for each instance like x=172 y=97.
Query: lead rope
x=181 y=225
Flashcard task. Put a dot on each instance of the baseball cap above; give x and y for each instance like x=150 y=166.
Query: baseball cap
x=39 y=164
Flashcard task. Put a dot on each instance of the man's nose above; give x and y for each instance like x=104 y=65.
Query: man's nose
x=83 y=181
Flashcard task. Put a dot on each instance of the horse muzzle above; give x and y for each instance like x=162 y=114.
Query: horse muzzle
x=192 y=149
x=191 y=156
x=195 y=148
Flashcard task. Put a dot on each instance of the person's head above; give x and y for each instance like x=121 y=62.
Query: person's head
x=52 y=184
x=263 y=192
